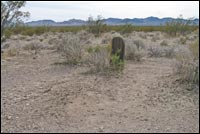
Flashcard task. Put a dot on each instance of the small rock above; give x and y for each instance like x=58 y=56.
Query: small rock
x=101 y=129
x=9 y=117
x=145 y=120
x=84 y=103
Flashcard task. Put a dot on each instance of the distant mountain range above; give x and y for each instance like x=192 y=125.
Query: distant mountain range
x=149 y=21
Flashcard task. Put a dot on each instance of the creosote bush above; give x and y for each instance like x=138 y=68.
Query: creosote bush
x=187 y=65
x=71 y=49
x=99 y=57
x=135 y=50
x=164 y=43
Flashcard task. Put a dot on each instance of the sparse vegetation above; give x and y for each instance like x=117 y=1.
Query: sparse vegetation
x=158 y=51
x=99 y=57
x=187 y=65
x=33 y=47
x=71 y=49
x=127 y=28
x=178 y=26
x=164 y=43
x=183 y=40
x=10 y=53
x=96 y=26
x=11 y=16
x=134 y=50
x=116 y=64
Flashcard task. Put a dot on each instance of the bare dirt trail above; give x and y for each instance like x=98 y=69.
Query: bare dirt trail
x=37 y=96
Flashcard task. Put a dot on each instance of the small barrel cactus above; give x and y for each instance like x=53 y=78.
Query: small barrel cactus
x=118 y=47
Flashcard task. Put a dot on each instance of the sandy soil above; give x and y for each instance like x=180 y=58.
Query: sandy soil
x=38 y=96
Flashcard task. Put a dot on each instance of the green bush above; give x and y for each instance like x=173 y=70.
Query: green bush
x=96 y=26
x=127 y=28
x=115 y=62
x=178 y=27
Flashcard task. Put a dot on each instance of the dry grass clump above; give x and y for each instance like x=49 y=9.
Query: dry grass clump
x=10 y=52
x=99 y=57
x=33 y=47
x=71 y=49
x=161 y=51
x=164 y=43
x=187 y=65
x=134 y=50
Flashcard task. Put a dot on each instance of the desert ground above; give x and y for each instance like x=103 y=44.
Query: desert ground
x=38 y=95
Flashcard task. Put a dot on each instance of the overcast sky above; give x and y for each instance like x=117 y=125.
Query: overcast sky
x=65 y=10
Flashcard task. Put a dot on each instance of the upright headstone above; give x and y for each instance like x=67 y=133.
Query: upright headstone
x=118 y=47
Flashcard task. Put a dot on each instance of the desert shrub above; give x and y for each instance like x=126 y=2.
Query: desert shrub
x=183 y=40
x=194 y=47
x=101 y=60
x=53 y=41
x=96 y=26
x=99 y=57
x=188 y=69
x=10 y=52
x=164 y=43
x=71 y=49
x=143 y=36
x=187 y=65
x=127 y=28
x=169 y=52
x=139 y=55
x=135 y=50
x=7 y=33
x=33 y=47
x=132 y=53
x=157 y=51
x=178 y=26
x=116 y=64
x=105 y=41
x=154 y=38
x=139 y=44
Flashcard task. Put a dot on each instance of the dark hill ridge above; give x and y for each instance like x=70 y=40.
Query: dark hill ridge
x=149 y=21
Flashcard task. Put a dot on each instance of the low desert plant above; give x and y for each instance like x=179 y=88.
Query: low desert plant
x=155 y=51
x=187 y=65
x=178 y=26
x=164 y=43
x=116 y=64
x=135 y=50
x=158 y=51
x=127 y=28
x=33 y=47
x=96 y=26
x=188 y=69
x=10 y=52
x=194 y=47
x=99 y=57
x=139 y=44
x=71 y=49
x=183 y=40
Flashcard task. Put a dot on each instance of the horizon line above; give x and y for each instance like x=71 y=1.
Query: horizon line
x=193 y=18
